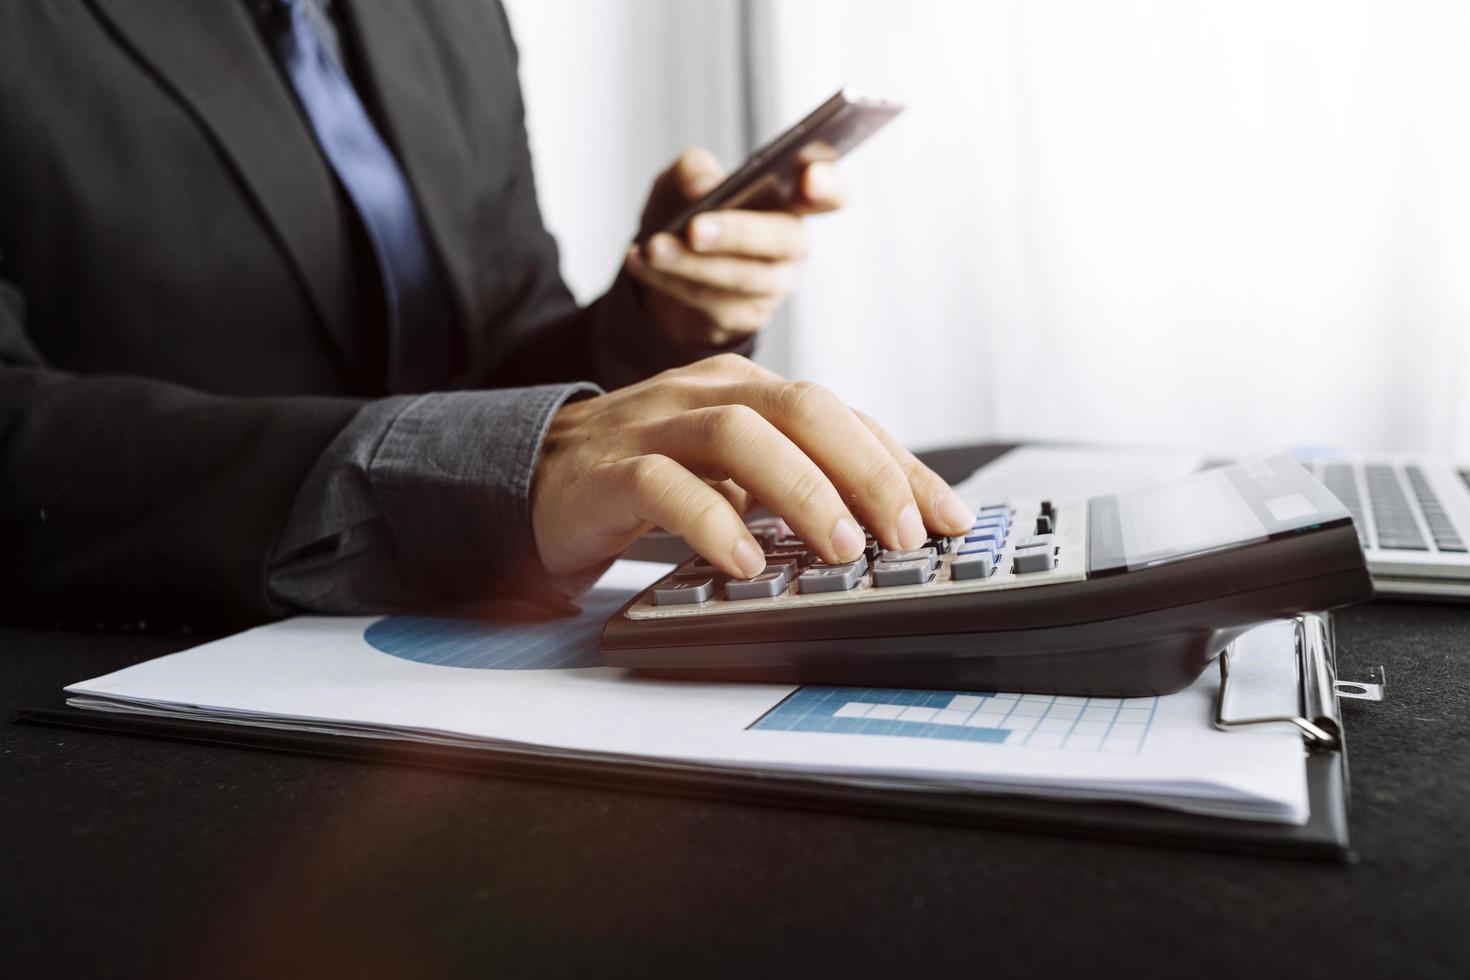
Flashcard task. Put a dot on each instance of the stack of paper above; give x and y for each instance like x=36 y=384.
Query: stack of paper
x=533 y=683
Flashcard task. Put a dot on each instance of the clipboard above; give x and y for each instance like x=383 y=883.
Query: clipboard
x=1324 y=837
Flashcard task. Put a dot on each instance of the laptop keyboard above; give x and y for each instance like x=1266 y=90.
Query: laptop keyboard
x=1443 y=531
x=1399 y=519
x=1393 y=518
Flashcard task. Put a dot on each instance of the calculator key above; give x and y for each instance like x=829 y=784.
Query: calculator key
x=917 y=554
x=861 y=561
x=1035 y=541
x=940 y=545
x=801 y=556
x=830 y=578
x=1034 y=560
x=686 y=592
x=985 y=547
x=992 y=522
x=788 y=567
x=1044 y=524
x=766 y=585
x=766 y=537
x=979 y=565
x=986 y=534
x=914 y=572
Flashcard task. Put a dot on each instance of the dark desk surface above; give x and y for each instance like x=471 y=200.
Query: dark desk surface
x=133 y=856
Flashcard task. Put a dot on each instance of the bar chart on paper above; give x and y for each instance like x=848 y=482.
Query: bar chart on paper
x=1072 y=724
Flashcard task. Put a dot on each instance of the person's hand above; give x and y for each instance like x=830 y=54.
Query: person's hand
x=691 y=449
x=723 y=282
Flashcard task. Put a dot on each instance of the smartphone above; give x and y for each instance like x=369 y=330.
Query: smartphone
x=769 y=180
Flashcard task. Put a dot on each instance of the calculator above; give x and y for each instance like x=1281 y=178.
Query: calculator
x=1121 y=595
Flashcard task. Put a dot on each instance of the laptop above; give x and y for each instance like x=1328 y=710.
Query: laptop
x=1413 y=519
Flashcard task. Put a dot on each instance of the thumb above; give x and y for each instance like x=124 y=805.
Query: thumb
x=697 y=172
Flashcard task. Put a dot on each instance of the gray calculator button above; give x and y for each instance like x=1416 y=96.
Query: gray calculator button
x=917 y=554
x=978 y=565
x=1035 y=541
x=788 y=567
x=861 y=564
x=829 y=578
x=766 y=585
x=686 y=592
x=916 y=571
x=1034 y=560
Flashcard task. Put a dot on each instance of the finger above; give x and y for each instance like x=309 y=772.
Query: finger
x=734 y=313
x=737 y=440
x=941 y=508
x=822 y=189
x=753 y=234
x=697 y=172
x=665 y=494
x=753 y=277
x=693 y=174
x=831 y=435
x=741 y=499
x=725 y=369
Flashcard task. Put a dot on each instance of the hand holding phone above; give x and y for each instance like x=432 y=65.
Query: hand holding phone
x=717 y=254
x=769 y=180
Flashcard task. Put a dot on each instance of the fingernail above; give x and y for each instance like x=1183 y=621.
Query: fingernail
x=953 y=512
x=910 y=528
x=706 y=231
x=662 y=250
x=820 y=181
x=749 y=559
x=847 y=539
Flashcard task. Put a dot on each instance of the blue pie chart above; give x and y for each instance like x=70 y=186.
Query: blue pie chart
x=527 y=639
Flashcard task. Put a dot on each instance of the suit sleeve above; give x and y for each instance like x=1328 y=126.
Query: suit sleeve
x=130 y=502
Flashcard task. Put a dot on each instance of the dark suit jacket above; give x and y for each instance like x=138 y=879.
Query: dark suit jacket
x=179 y=302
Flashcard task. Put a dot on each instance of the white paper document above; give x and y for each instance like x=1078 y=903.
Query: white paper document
x=527 y=681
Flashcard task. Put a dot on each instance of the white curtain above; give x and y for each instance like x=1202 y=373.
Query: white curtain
x=614 y=90
x=1241 y=225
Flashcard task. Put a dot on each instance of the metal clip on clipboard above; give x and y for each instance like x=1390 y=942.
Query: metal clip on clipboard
x=1319 y=688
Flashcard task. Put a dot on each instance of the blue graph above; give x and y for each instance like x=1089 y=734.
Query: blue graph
x=532 y=640
x=1033 y=720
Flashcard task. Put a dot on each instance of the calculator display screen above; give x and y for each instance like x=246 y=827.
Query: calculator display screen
x=1200 y=513
x=1228 y=507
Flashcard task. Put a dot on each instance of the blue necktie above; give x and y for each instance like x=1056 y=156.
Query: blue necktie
x=416 y=300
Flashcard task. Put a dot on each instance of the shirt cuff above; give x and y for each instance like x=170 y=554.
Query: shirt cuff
x=424 y=500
